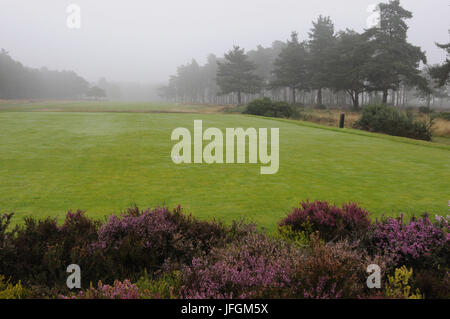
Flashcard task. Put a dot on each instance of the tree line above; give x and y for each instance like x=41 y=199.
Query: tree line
x=378 y=65
x=20 y=82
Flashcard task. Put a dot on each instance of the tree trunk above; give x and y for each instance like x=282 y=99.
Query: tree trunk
x=319 y=96
x=293 y=96
x=239 y=96
x=355 y=101
x=385 y=97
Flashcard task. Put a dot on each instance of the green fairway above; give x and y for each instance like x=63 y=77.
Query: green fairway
x=103 y=162
x=102 y=106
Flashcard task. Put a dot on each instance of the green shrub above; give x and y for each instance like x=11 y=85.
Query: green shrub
x=10 y=291
x=320 y=107
x=269 y=108
x=398 y=286
x=389 y=120
x=297 y=237
x=425 y=110
x=166 y=287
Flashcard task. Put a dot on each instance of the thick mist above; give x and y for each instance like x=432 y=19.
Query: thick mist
x=144 y=41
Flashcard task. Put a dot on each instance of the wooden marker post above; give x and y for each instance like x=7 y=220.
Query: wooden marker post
x=342 y=121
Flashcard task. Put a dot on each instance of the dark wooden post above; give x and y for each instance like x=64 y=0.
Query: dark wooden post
x=342 y=121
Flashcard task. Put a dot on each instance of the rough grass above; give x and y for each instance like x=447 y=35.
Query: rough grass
x=103 y=162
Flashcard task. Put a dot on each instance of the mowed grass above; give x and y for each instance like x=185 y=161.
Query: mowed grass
x=51 y=162
x=103 y=106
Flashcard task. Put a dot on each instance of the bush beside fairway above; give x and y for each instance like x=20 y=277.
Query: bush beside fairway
x=103 y=162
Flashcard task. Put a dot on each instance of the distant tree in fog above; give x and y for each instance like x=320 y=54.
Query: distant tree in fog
x=20 y=82
x=394 y=59
x=321 y=41
x=348 y=65
x=291 y=68
x=96 y=92
x=237 y=74
x=334 y=68
x=442 y=72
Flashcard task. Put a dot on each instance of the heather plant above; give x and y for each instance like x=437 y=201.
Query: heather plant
x=140 y=241
x=5 y=221
x=332 y=222
x=119 y=290
x=433 y=284
x=39 y=251
x=419 y=243
x=28 y=255
x=320 y=251
x=254 y=267
x=335 y=270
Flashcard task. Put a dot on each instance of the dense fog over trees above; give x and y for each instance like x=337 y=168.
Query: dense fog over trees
x=330 y=67
x=20 y=82
x=331 y=61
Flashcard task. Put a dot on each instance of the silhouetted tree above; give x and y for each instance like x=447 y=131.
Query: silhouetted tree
x=348 y=64
x=321 y=40
x=442 y=72
x=236 y=74
x=96 y=92
x=20 y=82
x=394 y=59
x=290 y=68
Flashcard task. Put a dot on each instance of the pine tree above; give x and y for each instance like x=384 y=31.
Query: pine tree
x=321 y=40
x=236 y=74
x=290 y=68
x=442 y=73
x=348 y=64
x=394 y=58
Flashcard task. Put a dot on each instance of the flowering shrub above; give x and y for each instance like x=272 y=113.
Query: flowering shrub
x=39 y=251
x=255 y=267
x=332 y=222
x=335 y=270
x=433 y=284
x=119 y=290
x=320 y=251
x=411 y=243
x=145 y=240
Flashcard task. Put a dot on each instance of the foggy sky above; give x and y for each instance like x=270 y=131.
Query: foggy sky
x=145 y=40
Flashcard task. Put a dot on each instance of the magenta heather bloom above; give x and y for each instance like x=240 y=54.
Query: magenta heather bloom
x=257 y=267
x=151 y=227
x=332 y=222
x=120 y=290
x=320 y=291
x=408 y=242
